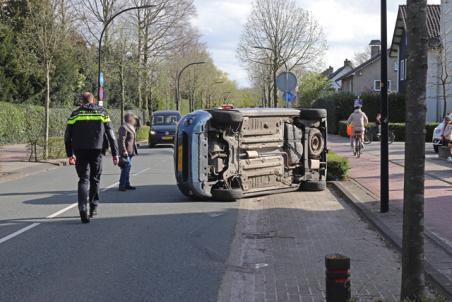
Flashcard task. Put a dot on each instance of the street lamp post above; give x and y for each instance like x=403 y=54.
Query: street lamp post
x=178 y=81
x=99 y=49
x=384 y=165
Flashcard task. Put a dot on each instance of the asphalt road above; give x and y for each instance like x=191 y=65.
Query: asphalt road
x=151 y=244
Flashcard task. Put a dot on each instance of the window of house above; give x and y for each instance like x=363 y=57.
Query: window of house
x=377 y=85
x=396 y=66
x=402 y=70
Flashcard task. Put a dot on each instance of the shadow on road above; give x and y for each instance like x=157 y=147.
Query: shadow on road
x=142 y=194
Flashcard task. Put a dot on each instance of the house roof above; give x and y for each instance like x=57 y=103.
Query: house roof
x=334 y=74
x=361 y=67
x=433 y=25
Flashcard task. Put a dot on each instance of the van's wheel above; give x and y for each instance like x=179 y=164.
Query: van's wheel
x=313 y=186
x=221 y=194
x=312 y=114
x=226 y=118
x=316 y=143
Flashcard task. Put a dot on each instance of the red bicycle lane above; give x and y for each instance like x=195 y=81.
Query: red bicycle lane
x=438 y=193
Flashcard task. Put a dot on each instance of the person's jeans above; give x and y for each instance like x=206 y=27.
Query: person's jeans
x=124 y=179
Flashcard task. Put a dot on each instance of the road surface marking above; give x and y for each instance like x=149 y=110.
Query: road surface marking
x=61 y=211
x=17 y=233
x=35 y=224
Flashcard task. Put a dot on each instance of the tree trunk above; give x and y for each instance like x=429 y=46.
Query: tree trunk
x=46 y=113
x=275 y=91
x=444 y=83
x=413 y=281
x=139 y=88
x=123 y=94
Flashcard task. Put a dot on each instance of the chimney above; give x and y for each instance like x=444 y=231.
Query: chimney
x=375 y=48
x=348 y=63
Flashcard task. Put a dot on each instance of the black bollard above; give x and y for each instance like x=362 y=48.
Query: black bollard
x=337 y=278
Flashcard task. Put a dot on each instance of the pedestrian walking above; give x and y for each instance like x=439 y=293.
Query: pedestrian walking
x=127 y=149
x=86 y=130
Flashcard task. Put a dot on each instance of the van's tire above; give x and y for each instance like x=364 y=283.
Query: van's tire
x=312 y=114
x=221 y=194
x=226 y=117
x=316 y=143
x=313 y=186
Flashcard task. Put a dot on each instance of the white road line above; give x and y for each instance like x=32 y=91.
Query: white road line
x=17 y=233
x=62 y=211
x=35 y=224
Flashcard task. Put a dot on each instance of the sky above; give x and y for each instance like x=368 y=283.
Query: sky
x=349 y=26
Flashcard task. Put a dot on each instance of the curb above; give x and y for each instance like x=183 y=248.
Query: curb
x=440 y=282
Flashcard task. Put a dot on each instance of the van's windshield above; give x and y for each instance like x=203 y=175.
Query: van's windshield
x=164 y=119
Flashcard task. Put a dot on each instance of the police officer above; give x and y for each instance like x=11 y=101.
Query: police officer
x=86 y=129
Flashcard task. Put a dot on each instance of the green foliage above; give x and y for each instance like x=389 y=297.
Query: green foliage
x=340 y=106
x=25 y=123
x=143 y=133
x=12 y=128
x=397 y=128
x=337 y=166
x=56 y=147
x=313 y=86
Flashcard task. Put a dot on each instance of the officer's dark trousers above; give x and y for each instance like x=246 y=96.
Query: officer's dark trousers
x=89 y=169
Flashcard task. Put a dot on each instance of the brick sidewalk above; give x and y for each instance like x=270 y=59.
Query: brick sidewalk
x=280 y=244
x=438 y=193
x=14 y=163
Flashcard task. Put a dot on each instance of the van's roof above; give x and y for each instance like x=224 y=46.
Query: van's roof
x=165 y=112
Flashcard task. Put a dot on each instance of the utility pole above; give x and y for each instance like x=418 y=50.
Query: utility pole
x=384 y=159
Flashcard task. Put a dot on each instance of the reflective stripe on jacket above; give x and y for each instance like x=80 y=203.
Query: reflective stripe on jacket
x=87 y=128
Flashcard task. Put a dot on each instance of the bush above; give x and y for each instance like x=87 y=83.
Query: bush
x=337 y=166
x=56 y=147
x=143 y=133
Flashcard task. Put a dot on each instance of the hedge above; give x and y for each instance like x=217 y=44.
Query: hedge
x=340 y=106
x=337 y=166
x=143 y=133
x=18 y=123
x=397 y=128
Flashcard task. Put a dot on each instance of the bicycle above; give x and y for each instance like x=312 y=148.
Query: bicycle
x=373 y=134
x=357 y=144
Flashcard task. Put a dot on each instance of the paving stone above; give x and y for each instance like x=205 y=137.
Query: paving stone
x=306 y=226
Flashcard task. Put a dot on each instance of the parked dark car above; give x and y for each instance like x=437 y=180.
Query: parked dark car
x=163 y=128
x=230 y=154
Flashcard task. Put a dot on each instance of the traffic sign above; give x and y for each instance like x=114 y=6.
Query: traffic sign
x=289 y=96
x=286 y=81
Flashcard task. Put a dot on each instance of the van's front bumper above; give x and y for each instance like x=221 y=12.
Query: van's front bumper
x=191 y=155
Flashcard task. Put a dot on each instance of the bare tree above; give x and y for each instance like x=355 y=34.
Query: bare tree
x=279 y=33
x=160 y=29
x=361 y=57
x=40 y=41
x=413 y=280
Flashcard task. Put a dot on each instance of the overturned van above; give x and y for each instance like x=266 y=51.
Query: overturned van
x=230 y=154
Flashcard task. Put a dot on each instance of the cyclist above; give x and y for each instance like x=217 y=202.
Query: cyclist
x=359 y=121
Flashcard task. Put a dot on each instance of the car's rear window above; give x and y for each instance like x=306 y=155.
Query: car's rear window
x=165 y=119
